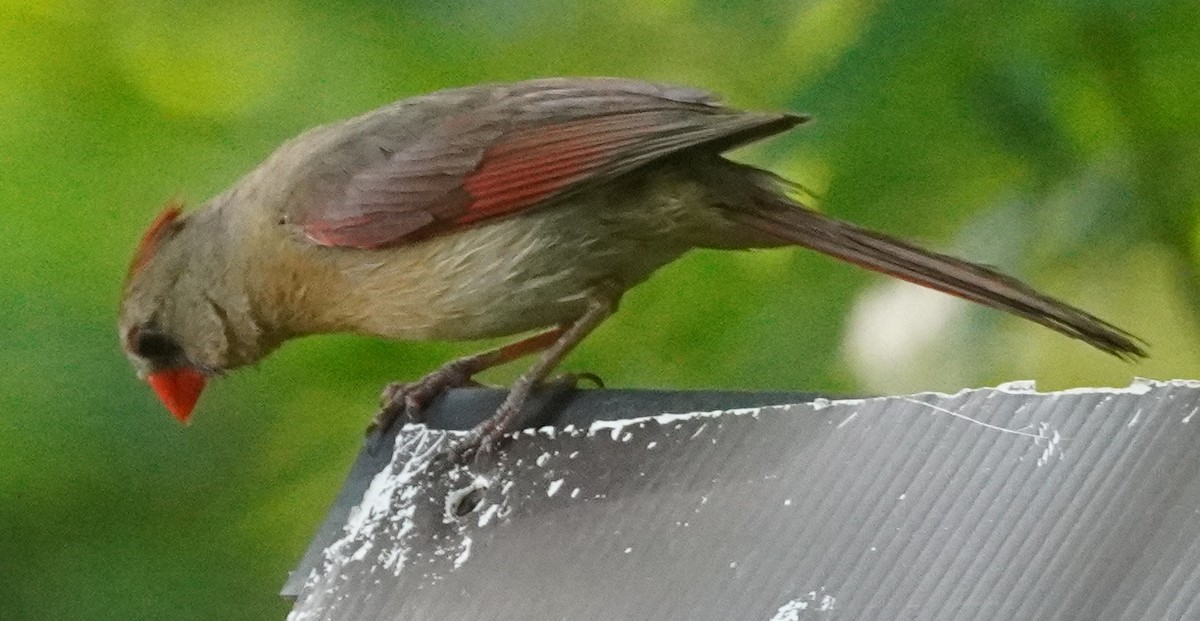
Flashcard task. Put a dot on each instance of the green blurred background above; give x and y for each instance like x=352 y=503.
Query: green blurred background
x=1057 y=140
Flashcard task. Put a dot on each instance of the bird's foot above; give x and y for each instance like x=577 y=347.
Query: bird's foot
x=487 y=438
x=407 y=401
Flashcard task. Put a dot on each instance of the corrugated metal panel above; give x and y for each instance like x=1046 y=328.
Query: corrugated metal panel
x=987 y=504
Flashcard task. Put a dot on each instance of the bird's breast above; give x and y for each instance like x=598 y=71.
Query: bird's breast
x=507 y=276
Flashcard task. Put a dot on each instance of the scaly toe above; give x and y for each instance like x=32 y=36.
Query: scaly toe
x=462 y=452
x=392 y=393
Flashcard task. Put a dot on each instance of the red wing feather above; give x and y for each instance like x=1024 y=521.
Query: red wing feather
x=534 y=165
x=521 y=152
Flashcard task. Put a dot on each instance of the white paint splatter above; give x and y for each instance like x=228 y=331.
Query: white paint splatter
x=791 y=610
x=552 y=489
x=1052 y=448
x=1139 y=386
x=618 y=426
x=1018 y=386
x=391 y=485
x=464 y=554
x=485 y=516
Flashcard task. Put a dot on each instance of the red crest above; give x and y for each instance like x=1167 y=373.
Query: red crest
x=154 y=236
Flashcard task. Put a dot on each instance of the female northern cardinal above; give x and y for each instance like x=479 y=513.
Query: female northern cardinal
x=487 y=211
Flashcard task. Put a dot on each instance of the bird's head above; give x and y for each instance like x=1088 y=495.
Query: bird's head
x=171 y=327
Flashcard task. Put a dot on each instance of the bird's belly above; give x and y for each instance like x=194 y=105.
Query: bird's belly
x=506 y=277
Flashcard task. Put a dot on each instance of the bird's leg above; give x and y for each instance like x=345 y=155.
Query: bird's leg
x=408 y=399
x=483 y=438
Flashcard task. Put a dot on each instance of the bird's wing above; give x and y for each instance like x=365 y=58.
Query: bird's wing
x=522 y=146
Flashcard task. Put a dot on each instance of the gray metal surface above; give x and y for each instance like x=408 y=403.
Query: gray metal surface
x=463 y=408
x=988 y=504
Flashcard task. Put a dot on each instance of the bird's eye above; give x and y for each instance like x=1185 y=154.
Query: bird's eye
x=154 y=345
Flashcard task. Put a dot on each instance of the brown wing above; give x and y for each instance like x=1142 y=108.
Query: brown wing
x=524 y=146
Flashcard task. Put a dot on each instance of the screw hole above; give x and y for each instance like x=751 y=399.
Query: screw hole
x=468 y=502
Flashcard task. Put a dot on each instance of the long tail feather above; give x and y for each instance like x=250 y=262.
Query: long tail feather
x=780 y=217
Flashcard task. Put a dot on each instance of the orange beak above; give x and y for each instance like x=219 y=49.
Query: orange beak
x=178 y=389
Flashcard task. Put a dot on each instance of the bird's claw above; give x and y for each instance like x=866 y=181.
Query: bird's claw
x=475 y=448
x=407 y=401
x=572 y=380
x=487 y=438
x=400 y=401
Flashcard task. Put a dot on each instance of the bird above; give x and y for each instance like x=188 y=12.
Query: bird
x=523 y=208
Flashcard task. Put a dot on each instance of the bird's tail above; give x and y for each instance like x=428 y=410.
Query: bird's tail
x=770 y=211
